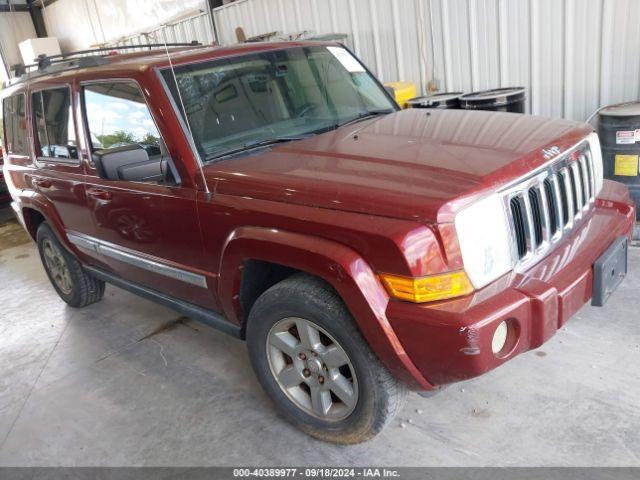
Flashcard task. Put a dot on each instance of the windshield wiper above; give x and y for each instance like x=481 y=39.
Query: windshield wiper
x=257 y=144
x=366 y=114
x=272 y=141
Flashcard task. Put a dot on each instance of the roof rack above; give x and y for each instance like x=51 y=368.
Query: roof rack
x=46 y=64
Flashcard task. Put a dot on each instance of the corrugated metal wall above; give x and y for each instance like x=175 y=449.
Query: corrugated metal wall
x=14 y=28
x=79 y=24
x=571 y=55
x=197 y=28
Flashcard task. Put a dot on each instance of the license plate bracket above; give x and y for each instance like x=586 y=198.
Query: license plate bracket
x=609 y=270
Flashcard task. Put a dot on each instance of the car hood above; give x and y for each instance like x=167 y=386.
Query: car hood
x=414 y=164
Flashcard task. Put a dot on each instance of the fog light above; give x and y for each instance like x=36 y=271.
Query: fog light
x=499 y=337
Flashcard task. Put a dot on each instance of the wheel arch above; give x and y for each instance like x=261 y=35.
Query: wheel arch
x=339 y=266
x=38 y=209
x=32 y=220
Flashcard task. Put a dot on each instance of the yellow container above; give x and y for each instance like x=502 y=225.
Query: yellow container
x=404 y=91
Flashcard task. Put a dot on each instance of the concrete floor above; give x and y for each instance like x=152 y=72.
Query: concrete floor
x=127 y=382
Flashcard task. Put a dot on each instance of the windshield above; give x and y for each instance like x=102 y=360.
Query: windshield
x=235 y=103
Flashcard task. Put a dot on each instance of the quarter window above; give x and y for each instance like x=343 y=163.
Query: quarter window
x=56 y=136
x=15 y=125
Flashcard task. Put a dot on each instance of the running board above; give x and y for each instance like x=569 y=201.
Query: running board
x=200 y=314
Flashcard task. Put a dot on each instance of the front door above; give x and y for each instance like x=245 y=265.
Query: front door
x=147 y=232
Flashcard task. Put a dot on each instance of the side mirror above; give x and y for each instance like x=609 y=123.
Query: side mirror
x=130 y=162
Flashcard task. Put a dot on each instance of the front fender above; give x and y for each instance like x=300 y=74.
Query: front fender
x=340 y=266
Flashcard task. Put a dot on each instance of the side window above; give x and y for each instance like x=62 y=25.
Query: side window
x=55 y=132
x=117 y=115
x=15 y=125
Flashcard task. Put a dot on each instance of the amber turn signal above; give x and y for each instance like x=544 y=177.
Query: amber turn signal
x=428 y=289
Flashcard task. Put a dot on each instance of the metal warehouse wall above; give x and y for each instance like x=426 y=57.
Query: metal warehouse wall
x=79 y=24
x=572 y=55
x=14 y=28
x=197 y=27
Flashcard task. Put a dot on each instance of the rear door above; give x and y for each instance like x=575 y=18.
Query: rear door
x=148 y=230
x=59 y=174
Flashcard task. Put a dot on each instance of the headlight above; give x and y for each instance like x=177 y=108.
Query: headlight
x=485 y=240
x=596 y=155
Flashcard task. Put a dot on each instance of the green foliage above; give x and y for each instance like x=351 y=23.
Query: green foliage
x=119 y=136
x=127 y=138
x=150 y=139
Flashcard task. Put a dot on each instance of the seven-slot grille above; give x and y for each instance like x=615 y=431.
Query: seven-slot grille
x=543 y=208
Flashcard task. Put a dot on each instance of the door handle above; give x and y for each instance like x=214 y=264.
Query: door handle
x=41 y=183
x=99 y=194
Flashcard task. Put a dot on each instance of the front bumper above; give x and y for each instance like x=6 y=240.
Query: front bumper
x=450 y=341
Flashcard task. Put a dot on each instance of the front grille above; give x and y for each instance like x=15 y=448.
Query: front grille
x=536 y=214
x=564 y=198
x=543 y=208
x=553 y=213
x=518 y=224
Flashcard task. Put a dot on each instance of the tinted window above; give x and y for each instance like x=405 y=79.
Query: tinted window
x=117 y=115
x=15 y=125
x=56 y=136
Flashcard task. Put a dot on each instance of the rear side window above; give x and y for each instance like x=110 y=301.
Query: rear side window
x=15 y=125
x=55 y=132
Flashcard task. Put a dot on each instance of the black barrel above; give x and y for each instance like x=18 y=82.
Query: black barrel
x=439 y=100
x=509 y=99
x=619 y=132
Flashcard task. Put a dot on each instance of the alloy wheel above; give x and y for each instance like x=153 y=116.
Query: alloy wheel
x=57 y=266
x=312 y=369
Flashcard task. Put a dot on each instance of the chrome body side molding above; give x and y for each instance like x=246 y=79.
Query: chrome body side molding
x=136 y=259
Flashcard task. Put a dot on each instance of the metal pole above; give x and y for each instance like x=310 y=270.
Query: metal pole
x=213 y=22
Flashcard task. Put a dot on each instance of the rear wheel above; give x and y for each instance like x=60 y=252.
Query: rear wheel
x=73 y=284
x=313 y=362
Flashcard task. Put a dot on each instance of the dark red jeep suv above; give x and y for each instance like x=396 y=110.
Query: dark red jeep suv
x=276 y=192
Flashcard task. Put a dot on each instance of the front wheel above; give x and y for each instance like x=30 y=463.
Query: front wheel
x=313 y=362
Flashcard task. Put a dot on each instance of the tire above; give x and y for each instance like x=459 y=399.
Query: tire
x=293 y=305
x=75 y=286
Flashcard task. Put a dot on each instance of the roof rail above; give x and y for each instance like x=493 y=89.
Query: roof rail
x=193 y=43
x=45 y=64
